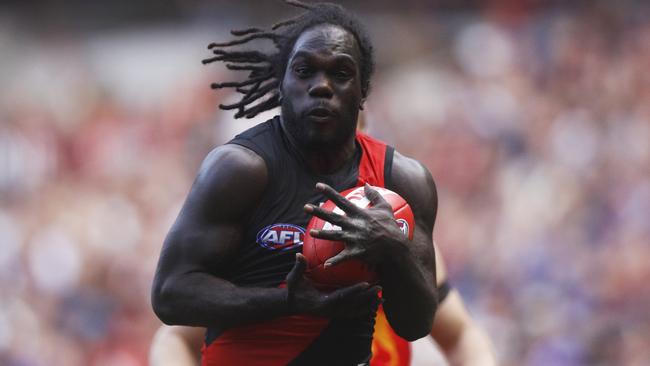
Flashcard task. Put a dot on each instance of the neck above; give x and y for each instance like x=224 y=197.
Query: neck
x=326 y=160
x=330 y=160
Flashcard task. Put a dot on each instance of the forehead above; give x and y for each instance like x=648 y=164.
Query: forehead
x=327 y=40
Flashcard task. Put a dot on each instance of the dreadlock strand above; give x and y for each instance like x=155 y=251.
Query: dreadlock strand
x=241 y=56
x=238 y=84
x=254 y=93
x=299 y=4
x=270 y=103
x=268 y=35
x=210 y=60
x=286 y=22
x=238 y=105
x=227 y=107
x=256 y=73
x=258 y=91
x=243 y=32
x=247 y=67
x=248 y=92
x=251 y=98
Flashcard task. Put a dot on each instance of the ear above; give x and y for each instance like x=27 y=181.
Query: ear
x=363 y=100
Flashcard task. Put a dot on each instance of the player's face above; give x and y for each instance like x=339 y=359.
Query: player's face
x=321 y=88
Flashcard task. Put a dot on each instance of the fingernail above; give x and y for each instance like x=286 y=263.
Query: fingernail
x=327 y=264
x=309 y=208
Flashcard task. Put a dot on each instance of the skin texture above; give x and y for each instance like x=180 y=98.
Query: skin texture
x=232 y=179
x=461 y=340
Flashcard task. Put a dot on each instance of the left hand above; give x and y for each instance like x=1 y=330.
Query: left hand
x=371 y=234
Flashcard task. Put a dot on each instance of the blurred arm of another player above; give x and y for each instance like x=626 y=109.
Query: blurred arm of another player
x=461 y=340
x=176 y=346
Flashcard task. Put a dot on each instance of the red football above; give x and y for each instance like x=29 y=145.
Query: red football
x=347 y=273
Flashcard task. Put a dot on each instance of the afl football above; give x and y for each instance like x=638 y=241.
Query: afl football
x=317 y=251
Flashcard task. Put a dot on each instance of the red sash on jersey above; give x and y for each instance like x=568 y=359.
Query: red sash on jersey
x=371 y=167
x=388 y=349
x=274 y=343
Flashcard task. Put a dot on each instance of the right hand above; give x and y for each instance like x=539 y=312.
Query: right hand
x=352 y=301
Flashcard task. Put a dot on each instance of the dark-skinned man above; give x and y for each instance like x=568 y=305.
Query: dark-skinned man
x=217 y=271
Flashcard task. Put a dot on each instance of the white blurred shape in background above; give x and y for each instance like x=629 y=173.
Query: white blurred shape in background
x=484 y=49
x=54 y=261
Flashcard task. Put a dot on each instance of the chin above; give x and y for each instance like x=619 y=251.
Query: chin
x=323 y=140
x=318 y=142
x=313 y=137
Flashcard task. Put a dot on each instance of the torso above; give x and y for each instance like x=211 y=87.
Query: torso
x=272 y=236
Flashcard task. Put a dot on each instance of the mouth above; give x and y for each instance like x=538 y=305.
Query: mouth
x=320 y=113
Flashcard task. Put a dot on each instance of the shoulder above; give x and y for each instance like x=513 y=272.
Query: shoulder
x=413 y=181
x=231 y=160
x=230 y=176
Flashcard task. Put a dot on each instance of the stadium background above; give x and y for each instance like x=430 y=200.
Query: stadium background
x=533 y=116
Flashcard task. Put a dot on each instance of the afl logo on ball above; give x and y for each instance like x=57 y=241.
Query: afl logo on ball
x=404 y=226
x=281 y=236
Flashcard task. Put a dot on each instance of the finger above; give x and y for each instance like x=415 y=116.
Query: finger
x=340 y=201
x=345 y=255
x=335 y=235
x=350 y=291
x=376 y=199
x=328 y=216
x=298 y=269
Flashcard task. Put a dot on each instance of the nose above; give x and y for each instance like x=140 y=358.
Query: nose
x=321 y=87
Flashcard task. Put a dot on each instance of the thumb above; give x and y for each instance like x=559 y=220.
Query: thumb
x=298 y=269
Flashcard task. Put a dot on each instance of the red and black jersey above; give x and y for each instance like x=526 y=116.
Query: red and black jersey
x=273 y=235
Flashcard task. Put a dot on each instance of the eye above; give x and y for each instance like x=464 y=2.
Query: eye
x=343 y=74
x=302 y=71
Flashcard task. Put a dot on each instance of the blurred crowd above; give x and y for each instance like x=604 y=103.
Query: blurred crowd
x=535 y=126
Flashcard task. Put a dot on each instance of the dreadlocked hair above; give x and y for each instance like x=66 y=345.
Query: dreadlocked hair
x=260 y=90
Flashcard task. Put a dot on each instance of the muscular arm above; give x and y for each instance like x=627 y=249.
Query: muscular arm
x=462 y=341
x=187 y=288
x=408 y=277
x=406 y=268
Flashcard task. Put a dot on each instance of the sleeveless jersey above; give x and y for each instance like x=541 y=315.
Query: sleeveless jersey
x=272 y=236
